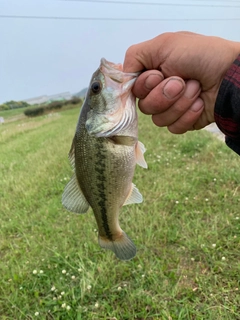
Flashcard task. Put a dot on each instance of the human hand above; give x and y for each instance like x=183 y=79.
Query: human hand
x=180 y=105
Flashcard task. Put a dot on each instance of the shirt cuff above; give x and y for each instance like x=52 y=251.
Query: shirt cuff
x=227 y=107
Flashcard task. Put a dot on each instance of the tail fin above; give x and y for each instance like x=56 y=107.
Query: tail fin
x=123 y=247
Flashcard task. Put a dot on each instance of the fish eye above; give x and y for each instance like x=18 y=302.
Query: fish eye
x=96 y=87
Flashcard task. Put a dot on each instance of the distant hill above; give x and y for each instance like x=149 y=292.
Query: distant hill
x=51 y=98
x=81 y=94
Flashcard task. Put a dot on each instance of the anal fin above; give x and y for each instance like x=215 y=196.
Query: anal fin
x=73 y=199
x=134 y=196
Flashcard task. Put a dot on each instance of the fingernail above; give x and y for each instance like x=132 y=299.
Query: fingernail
x=172 y=88
x=192 y=88
x=152 y=81
x=197 y=105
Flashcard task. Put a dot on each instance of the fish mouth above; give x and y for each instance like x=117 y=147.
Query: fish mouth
x=115 y=72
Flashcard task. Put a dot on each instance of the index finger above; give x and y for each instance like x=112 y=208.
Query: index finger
x=145 y=82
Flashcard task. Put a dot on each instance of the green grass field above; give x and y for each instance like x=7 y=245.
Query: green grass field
x=187 y=230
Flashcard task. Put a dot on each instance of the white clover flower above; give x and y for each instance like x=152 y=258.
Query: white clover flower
x=214 y=245
x=143 y=275
x=89 y=287
x=177 y=202
x=53 y=288
x=192 y=259
x=64 y=305
x=62 y=293
x=79 y=270
x=237 y=218
x=73 y=277
x=119 y=288
x=68 y=308
x=64 y=271
x=54 y=298
x=206 y=199
x=41 y=271
x=34 y=271
x=223 y=258
x=96 y=305
x=36 y=313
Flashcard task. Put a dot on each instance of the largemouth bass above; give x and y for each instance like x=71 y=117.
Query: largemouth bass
x=104 y=153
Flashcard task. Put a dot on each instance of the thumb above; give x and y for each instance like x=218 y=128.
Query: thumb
x=138 y=58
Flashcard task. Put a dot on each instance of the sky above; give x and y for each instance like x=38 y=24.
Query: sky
x=42 y=52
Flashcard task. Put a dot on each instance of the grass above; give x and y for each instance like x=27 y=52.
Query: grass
x=187 y=230
x=18 y=114
x=14 y=114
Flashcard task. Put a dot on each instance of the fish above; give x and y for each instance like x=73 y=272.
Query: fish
x=104 y=152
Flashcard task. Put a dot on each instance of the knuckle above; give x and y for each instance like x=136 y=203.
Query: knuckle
x=130 y=51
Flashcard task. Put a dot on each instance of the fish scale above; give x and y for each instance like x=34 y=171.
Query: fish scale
x=107 y=190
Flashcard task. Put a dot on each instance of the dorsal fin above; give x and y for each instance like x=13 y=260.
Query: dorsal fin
x=73 y=199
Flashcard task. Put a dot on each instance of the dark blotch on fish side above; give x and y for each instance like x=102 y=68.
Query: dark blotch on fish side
x=100 y=170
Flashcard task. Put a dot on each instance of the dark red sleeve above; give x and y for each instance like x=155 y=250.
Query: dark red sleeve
x=227 y=107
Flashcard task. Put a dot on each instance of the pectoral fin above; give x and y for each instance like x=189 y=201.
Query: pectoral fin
x=134 y=196
x=139 y=151
x=123 y=140
x=73 y=199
